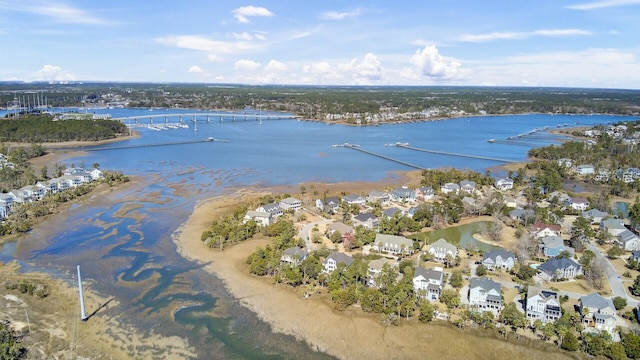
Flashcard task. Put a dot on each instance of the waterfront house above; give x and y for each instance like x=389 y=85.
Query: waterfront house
x=598 y=312
x=391 y=212
x=441 y=248
x=467 y=186
x=368 y=220
x=331 y=262
x=18 y=196
x=603 y=175
x=374 y=268
x=556 y=269
x=403 y=194
x=331 y=204
x=543 y=305
x=425 y=193
x=262 y=218
x=354 y=199
x=613 y=226
x=96 y=174
x=32 y=192
x=523 y=215
x=293 y=255
x=577 y=203
x=376 y=196
x=503 y=184
x=319 y=204
x=498 y=259
x=552 y=246
x=5 y=204
x=274 y=209
x=290 y=203
x=635 y=256
x=595 y=216
x=393 y=244
x=50 y=186
x=429 y=282
x=585 y=169
x=628 y=241
x=450 y=188
x=540 y=230
x=564 y=162
x=485 y=295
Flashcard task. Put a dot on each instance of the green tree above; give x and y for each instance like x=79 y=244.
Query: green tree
x=451 y=298
x=511 y=316
x=614 y=252
x=631 y=343
x=426 y=312
x=456 y=279
x=635 y=288
x=481 y=270
x=619 y=302
x=570 y=342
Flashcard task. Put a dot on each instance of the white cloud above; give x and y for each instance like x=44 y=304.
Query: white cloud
x=59 y=12
x=196 y=69
x=242 y=36
x=246 y=65
x=334 y=15
x=317 y=68
x=430 y=63
x=275 y=66
x=52 y=73
x=242 y=13
x=365 y=71
x=595 y=5
x=213 y=48
x=522 y=35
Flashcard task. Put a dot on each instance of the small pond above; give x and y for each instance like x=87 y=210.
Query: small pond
x=461 y=235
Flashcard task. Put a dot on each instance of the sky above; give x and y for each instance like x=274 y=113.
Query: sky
x=577 y=43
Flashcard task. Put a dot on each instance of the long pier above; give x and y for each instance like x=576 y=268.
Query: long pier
x=437 y=152
x=155 y=144
x=205 y=116
x=354 y=147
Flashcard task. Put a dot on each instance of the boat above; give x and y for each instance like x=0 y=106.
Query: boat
x=491 y=140
x=210 y=138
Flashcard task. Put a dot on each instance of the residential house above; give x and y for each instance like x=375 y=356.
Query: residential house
x=5 y=204
x=376 y=196
x=441 y=248
x=595 y=216
x=540 y=230
x=393 y=244
x=49 y=186
x=503 y=184
x=274 y=209
x=559 y=196
x=577 y=203
x=467 y=186
x=603 y=175
x=320 y=204
x=339 y=227
x=293 y=255
x=96 y=174
x=354 y=199
x=331 y=262
x=555 y=269
x=33 y=192
x=450 y=188
x=428 y=281
x=613 y=226
x=485 y=295
x=566 y=163
x=597 y=311
x=403 y=194
x=374 y=268
x=524 y=215
x=368 y=220
x=498 y=259
x=331 y=204
x=552 y=246
x=543 y=305
x=262 y=218
x=585 y=169
x=391 y=212
x=425 y=193
x=510 y=201
x=628 y=241
x=290 y=203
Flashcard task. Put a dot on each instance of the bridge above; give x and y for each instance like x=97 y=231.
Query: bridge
x=437 y=152
x=204 y=116
x=358 y=148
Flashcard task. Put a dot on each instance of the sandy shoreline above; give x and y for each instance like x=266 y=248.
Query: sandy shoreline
x=347 y=335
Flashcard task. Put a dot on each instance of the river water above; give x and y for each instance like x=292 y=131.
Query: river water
x=123 y=242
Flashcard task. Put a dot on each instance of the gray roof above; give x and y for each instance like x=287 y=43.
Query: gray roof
x=554 y=264
x=613 y=223
x=428 y=273
x=546 y=294
x=252 y=214
x=290 y=200
x=393 y=239
x=596 y=301
x=341 y=258
x=352 y=197
x=362 y=217
x=552 y=242
x=467 y=183
x=594 y=213
x=295 y=251
x=484 y=283
x=391 y=211
x=340 y=227
x=494 y=253
x=442 y=243
x=626 y=236
x=271 y=207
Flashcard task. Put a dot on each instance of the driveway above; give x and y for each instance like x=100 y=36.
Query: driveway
x=306 y=230
x=617 y=287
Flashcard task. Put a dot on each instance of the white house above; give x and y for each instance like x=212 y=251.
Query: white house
x=598 y=312
x=393 y=244
x=504 y=184
x=354 y=199
x=543 y=305
x=450 y=188
x=577 y=203
x=498 y=259
x=293 y=255
x=274 y=209
x=290 y=203
x=441 y=248
x=331 y=263
x=428 y=281
x=628 y=241
x=585 y=169
x=262 y=218
x=485 y=295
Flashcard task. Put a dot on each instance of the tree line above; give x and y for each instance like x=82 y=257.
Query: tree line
x=42 y=128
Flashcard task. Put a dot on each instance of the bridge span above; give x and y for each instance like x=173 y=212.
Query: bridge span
x=437 y=152
x=205 y=116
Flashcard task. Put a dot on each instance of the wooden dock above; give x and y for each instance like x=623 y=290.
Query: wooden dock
x=358 y=148
x=437 y=152
x=151 y=145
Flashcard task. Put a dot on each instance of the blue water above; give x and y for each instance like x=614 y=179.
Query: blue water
x=124 y=246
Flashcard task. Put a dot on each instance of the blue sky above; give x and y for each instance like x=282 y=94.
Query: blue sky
x=580 y=43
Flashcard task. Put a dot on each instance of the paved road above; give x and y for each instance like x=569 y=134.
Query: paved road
x=617 y=287
x=306 y=229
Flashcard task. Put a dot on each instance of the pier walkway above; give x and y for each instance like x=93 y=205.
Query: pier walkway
x=358 y=148
x=205 y=116
x=455 y=154
x=150 y=145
